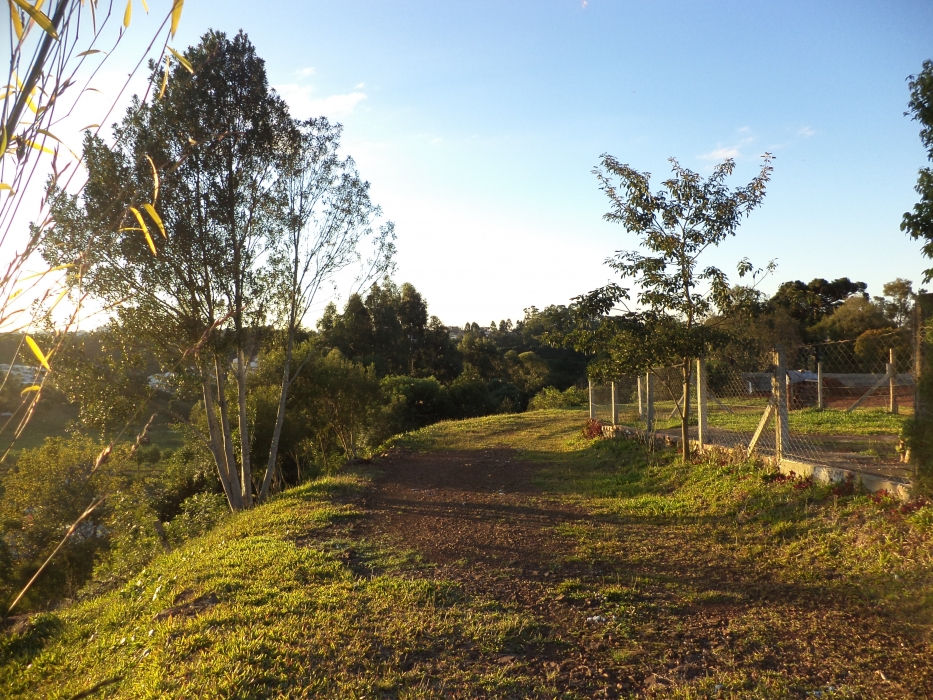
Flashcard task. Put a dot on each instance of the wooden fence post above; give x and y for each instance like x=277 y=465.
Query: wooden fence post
x=649 y=403
x=819 y=385
x=641 y=408
x=615 y=407
x=702 y=419
x=592 y=407
x=892 y=382
x=779 y=389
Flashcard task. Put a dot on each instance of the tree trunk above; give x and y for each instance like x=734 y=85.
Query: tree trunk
x=279 y=421
x=220 y=370
x=246 y=477
x=685 y=415
x=230 y=485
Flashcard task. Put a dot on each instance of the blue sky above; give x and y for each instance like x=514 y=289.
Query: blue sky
x=478 y=124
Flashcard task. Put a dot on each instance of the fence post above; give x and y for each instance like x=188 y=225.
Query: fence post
x=592 y=407
x=779 y=389
x=819 y=385
x=641 y=408
x=615 y=407
x=702 y=422
x=649 y=403
x=892 y=382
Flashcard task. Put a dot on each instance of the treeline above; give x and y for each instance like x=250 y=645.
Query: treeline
x=836 y=323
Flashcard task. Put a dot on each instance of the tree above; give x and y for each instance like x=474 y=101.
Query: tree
x=208 y=152
x=897 y=301
x=675 y=227
x=810 y=303
x=918 y=224
x=328 y=216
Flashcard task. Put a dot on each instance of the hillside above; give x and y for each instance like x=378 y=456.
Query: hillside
x=509 y=556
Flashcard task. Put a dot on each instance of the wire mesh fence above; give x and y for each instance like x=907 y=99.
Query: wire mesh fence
x=834 y=404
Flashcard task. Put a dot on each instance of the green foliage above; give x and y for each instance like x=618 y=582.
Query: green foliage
x=44 y=493
x=918 y=224
x=850 y=320
x=550 y=397
x=199 y=513
x=391 y=330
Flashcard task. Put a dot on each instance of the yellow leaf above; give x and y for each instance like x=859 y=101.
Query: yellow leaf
x=38 y=17
x=60 y=296
x=17 y=22
x=15 y=294
x=128 y=13
x=181 y=59
x=146 y=7
x=164 y=78
x=155 y=181
x=176 y=15
x=45 y=272
x=142 y=224
x=29 y=389
x=3 y=141
x=4 y=186
x=38 y=353
x=38 y=147
x=155 y=217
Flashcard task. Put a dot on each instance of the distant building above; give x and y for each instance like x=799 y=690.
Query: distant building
x=164 y=381
x=22 y=374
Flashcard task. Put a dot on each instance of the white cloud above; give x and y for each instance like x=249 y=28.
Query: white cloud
x=304 y=72
x=303 y=105
x=806 y=131
x=360 y=86
x=722 y=153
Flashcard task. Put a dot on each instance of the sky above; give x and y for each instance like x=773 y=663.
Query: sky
x=479 y=123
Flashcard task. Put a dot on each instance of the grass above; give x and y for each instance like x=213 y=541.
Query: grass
x=292 y=619
x=715 y=558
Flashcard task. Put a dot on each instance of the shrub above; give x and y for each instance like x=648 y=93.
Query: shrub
x=550 y=397
x=199 y=513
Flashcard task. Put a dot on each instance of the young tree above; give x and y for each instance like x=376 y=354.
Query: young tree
x=675 y=227
x=918 y=224
x=328 y=217
x=206 y=153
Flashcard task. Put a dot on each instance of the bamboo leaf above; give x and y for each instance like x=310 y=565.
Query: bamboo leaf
x=38 y=147
x=142 y=224
x=155 y=217
x=176 y=15
x=145 y=6
x=89 y=52
x=155 y=180
x=37 y=352
x=45 y=272
x=30 y=389
x=89 y=126
x=38 y=17
x=15 y=294
x=4 y=186
x=3 y=141
x=164 y=77
x=17 y=22
x=181 y=59
x=128 y=13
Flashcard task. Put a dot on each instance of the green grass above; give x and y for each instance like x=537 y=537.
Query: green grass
x=308 y=609
x=293 y=619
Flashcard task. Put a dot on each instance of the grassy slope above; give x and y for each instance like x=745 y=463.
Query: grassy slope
x=301 y=615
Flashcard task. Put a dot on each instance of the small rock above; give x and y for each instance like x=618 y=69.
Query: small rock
x=596 y=620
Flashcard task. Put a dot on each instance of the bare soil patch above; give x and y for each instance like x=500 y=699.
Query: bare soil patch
x=632 y=606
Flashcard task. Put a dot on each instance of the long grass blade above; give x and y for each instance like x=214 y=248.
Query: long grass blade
x=155 y=180
x=176 y=15
x=38 y=353
x=128 y=13
x=181 y=59
x=142 y=225
x=38 y=17
x=17 y=22
x=155 y=217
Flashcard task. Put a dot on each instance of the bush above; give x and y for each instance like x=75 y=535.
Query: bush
x=199 y=513
x=550 y=397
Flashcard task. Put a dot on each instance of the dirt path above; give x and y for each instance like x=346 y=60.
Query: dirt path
x=476 y=518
